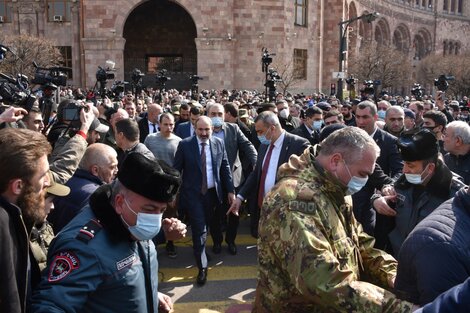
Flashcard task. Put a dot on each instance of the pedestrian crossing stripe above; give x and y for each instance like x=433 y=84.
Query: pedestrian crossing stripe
x=213 y=307
x=242 y=240
x=215 y=273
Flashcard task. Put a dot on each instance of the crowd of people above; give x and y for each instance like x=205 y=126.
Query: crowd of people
x=359 y=205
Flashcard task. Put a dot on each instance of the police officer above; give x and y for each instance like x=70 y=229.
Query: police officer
x=425 y=183
x=104 y=260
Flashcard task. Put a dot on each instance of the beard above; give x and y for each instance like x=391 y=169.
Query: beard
x=32 y=204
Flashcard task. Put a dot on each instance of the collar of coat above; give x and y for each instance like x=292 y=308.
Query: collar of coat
x=100 y=203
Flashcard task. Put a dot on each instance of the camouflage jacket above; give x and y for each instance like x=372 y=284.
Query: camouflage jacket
x=313 y=255
x=39 y=242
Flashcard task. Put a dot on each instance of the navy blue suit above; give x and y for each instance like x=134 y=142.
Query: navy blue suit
x=292 y=144
x=183 y=130
x=201 y=208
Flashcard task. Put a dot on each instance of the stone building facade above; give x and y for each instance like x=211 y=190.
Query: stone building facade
x=222 y=41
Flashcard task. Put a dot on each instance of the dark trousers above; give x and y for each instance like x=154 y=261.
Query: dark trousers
x=232 y=222
x=202 y=215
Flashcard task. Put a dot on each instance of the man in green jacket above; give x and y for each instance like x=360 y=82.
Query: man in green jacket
x=313 y=255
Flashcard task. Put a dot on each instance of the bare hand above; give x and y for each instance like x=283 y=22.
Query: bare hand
x=382 y=207
x=388 y=190
x=12 y=114
x=86 y=118
x=440 y=100
x=164 y=303
x=230 y=197
x=235 y=207
x=174 y=229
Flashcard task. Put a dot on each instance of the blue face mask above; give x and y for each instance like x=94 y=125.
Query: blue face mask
x=355 y=183
x=317 y=125
x=147 y=225
x=217 y=121
x=381 y=114
x=264 y=140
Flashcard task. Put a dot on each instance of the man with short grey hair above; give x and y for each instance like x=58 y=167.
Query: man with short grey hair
x=457 y=145
x=276 y=147
x=235 y=144
x=313 y=255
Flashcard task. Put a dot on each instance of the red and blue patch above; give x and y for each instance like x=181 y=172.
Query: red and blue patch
x=62 y=265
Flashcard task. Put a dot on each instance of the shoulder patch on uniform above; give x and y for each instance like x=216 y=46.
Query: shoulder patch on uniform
x=302 y=206
x=126 y=262
x=63 y=264
x=89 y=231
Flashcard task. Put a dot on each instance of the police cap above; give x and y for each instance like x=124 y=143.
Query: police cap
x=418 y=145
x=152 y=179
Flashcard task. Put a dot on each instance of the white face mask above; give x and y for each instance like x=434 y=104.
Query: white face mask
x=355 y=183
x=416 y=179
x=284 y=113
x=147 y=225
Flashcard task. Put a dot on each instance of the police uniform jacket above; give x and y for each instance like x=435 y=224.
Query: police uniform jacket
x=415 y=202
x=313 y=255
x=95 y=266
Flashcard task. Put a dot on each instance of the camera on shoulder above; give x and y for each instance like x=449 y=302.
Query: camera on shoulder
x=72 y=111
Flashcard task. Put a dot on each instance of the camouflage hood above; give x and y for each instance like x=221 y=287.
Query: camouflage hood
x=296 y=164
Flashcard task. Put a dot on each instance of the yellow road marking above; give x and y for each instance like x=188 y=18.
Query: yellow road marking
x=246 y=240
x=214 y=273
x=212 y=307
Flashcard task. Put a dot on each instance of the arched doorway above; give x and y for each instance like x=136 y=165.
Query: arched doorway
x=160 y=35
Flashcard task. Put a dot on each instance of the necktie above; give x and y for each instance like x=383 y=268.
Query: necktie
x=204 y=169
x=264 y=173
x=154 y=128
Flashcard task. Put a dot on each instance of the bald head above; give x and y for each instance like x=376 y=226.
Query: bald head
x=101 y=161
x=119 y=115
x=153 y=111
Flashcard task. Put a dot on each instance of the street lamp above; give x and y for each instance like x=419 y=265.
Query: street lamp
x=343 y=27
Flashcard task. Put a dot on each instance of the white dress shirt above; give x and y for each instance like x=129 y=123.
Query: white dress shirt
x=272 y=168
x=151 y=127
x=209 y=172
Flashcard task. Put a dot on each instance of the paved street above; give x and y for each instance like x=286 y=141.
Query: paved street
x=231 y=279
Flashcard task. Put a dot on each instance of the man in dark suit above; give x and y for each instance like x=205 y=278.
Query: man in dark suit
x=389 y=160
x=288 y=122
x=235 y=142
x=207 y=179
x=186 y=129
x=149 y=124
x=310 y=129
x=276 y=147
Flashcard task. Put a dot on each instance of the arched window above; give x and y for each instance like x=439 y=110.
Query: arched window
x=445 y=5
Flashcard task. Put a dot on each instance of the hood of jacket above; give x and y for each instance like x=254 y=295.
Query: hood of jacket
x=305 y=170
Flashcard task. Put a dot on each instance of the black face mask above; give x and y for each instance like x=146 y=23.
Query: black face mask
x=430 y=128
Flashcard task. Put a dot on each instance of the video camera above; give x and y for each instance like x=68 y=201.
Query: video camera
x=417 y=91
x=161 y=78
x=15 y=91
x=442 y=82
x=71 y=112
x=137 y=76
x=56 y=75
x=266 y=59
